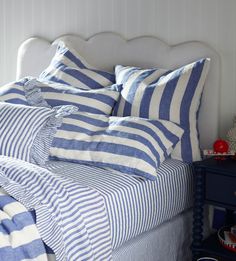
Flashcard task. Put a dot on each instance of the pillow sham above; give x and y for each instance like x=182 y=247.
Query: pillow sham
x=68 y=67
x=26 y=132
x=98 y=101
x=169 y=95
x=19 y=92
x=131 y=145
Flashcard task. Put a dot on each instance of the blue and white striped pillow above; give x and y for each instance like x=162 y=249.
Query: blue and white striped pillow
x=169 y=95
x=98 y=101
x=68 y=67
x=19 y=92
x=131 y=145
x=26 y=132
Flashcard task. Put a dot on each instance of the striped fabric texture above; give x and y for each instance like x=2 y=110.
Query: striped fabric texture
x=135 y=206
x=98 y=101
x=131 y=145
x=169 y=95
x=20 y=92
x=71 y=218
x=68 y=67
x=19 y=236
x=26 y=132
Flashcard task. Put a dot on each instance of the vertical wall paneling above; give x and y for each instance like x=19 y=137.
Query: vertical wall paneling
x=174 y=21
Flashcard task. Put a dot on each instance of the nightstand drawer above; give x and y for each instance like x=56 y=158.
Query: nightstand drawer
x=220 y=188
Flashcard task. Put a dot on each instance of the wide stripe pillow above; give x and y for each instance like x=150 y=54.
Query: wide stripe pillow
x=169 y=95
x=68 y=67
x=98 y=101
x=131 y=145
x=19 y=92
x=26 y=132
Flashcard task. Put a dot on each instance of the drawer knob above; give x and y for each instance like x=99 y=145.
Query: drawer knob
x=235 y=193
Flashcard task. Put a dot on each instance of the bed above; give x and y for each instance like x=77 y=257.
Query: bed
x=140 y=228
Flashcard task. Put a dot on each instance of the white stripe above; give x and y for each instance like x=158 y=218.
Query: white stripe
x=104 y=157
x=135 y=111
x=75 y=136
x=14 y=208
x=15 y=239
x=178 y=95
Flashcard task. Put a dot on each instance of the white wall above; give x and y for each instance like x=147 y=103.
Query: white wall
x=174 y=21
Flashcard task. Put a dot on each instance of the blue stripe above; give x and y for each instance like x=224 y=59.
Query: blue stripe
x=77 y=71
x=99 y=101
x=109 y=76
x=113 y=149
x=168 y=95
x=87 y=119
x=90 y=82
x=53 y=79
x=5 y=200
x=17 y=223
x=185 y=107
x=28 y=251
x=73 y=58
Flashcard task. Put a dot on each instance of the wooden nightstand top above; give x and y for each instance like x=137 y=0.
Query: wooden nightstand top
x=227 y=166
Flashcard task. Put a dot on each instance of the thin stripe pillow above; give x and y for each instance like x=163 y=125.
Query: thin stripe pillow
x=68 y=67
x=26 y=132
x=169 y=95
x=131 y=145
x=98 y=101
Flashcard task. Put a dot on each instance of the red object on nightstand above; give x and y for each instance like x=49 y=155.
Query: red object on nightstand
x=221 y=146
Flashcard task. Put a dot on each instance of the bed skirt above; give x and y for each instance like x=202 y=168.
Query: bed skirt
x=168 y=242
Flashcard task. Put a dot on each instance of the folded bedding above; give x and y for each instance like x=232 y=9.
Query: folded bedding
x=71 y=218
x=134 y=205
x=19 y=236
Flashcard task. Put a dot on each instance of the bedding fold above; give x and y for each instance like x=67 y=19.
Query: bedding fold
x=19 y=236
x=71 y=218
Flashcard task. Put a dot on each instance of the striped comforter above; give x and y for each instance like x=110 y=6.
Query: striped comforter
x=71 y=218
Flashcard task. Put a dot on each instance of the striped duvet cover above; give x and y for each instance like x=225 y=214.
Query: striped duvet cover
x=71 y=218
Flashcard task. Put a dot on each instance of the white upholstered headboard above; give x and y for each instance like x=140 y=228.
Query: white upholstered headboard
x=104 y=50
